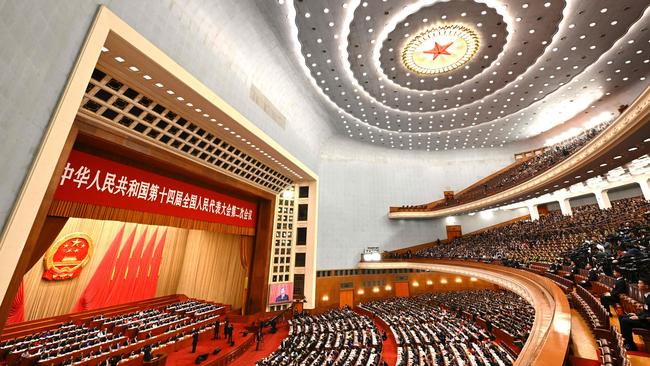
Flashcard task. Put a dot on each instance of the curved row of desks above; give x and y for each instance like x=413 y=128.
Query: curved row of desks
x=548 y=341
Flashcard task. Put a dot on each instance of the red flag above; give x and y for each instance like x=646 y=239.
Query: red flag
x=129 y=283
x=119 y=271
x=17 y=311
x=144 y=270
x=97 y=290
x=155 y=267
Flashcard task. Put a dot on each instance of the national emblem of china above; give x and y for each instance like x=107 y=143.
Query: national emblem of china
x=66 y=257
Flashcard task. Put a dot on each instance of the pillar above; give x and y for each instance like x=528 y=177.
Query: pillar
x=603 y=200
x=565 y=207
x=645 y=188
x=533 y=212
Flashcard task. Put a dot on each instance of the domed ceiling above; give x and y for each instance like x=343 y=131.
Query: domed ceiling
x=458 y=74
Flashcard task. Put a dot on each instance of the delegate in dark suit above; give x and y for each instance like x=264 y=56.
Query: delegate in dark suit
x=620 y=287
x=639 y=320
x=195 y=340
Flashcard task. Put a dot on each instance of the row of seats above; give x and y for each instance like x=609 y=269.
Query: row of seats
x=115 y=340
x=590 y=308
x=499 y=308
x=338 y=337
x=542 y=240
x=612 y=351
x=427 y=334
x=517 y=173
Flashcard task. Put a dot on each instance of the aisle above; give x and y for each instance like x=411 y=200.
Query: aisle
x=389 y=347
x=270 y=342
x=184 y=356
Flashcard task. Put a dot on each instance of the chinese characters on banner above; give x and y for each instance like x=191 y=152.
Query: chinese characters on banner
x=89 y=179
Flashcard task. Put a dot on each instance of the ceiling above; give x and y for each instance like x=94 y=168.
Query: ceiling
x=537 y=65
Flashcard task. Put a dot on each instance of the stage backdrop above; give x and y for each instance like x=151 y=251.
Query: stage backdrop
x=200 y=264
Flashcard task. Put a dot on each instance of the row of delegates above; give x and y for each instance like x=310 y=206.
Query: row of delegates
x=545 y=239
x=427 y=334
x=176 y=333
x=338 y=337
x=76 y=344
x=502 y=309
x=192 y=307
x=528 y=168
x=20 y=344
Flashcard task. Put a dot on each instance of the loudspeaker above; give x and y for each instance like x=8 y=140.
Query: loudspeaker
x=201 y=358
x=216 y=350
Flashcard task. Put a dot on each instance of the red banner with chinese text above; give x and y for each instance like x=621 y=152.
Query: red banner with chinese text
x=94 y=180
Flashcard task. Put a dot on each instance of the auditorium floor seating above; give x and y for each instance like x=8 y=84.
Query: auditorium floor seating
x=120 y=332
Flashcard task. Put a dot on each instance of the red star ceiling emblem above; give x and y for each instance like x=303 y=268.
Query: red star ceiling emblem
x=438 y=50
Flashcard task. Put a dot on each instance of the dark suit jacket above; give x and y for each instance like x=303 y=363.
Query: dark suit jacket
x=620 y=287
x=645 y=314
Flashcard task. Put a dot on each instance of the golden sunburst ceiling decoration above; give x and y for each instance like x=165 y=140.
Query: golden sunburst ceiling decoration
x=440 y=49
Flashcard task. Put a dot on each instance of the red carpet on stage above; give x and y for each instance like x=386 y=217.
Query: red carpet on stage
x=270 y=342
x=184 y=356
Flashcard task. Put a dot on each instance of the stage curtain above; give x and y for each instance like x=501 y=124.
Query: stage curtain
x=17 y=311
x=212 y=268
x=171 y=262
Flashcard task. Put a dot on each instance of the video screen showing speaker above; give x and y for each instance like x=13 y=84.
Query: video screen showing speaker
x=280 y=293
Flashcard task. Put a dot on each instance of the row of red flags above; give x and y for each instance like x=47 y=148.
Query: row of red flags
x=125 y=277
x=122 y=276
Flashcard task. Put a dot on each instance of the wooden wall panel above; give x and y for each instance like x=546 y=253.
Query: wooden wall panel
x=454 y=231
x=402 y=289
x=329 y=288
x=346 y=298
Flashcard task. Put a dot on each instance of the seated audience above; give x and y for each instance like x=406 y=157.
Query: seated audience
x=637 y=320
x=427 y=334
x=339 y=337
x=520 y=172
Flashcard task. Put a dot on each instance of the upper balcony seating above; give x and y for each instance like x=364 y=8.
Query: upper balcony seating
x=543 y=240
x=514 y=174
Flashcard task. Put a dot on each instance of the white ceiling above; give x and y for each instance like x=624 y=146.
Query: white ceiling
x=539 y=64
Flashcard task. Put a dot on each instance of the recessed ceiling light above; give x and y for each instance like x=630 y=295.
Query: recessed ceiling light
x=617 y=157
x=119 y=59
x=634 y=148
x=133 y=68
x=104 y=49
x=603 y=10
x=307 y=15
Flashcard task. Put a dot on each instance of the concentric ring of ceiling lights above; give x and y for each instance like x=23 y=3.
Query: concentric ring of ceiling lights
x=440 y=50
x=538 y=64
